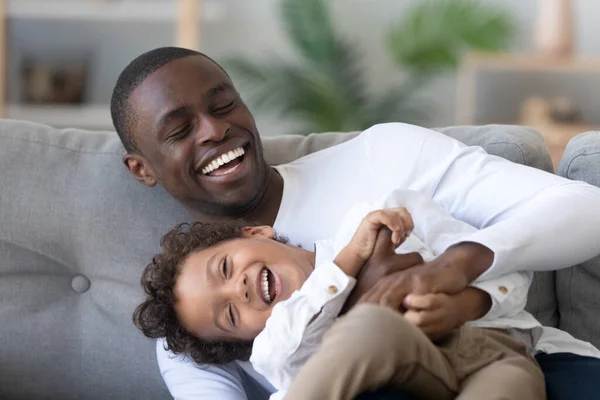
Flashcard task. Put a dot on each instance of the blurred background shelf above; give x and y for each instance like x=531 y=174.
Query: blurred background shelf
x=89 y=116
x=107 y=10
x=187 y=17
x=475 y=63
x=529 y=62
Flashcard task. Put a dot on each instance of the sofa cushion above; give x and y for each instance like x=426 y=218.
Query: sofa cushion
x=578 y=288
x=75 y=233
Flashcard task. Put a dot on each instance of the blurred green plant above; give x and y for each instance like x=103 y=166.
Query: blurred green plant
x=433 y=35
x=326 y=89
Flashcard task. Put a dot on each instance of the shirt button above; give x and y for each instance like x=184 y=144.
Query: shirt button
x=332 y=289
x=503 y=289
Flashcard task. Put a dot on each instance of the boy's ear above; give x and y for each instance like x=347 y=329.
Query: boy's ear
x=260 y=231
x=140 y=169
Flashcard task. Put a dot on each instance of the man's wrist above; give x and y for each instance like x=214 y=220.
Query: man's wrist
x=470 y=259
x=476 y=303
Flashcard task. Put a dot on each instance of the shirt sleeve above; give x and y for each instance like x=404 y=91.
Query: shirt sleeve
x=508 y=294
x=433 y=225
x=187 y=381
x=274 y=352
x=532 y=220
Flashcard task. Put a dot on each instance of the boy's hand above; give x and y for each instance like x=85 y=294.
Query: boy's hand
x=397 y=220
x=361 y=246
x=438 y=314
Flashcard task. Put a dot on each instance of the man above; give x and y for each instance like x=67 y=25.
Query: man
x=185 y=128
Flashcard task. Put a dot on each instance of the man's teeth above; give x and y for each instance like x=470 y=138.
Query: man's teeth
x=222 y=160
x=265 y=285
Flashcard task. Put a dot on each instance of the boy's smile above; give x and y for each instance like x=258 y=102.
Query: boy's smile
x=228 y=291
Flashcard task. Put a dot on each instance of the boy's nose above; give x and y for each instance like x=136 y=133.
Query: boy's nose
x=243 y=289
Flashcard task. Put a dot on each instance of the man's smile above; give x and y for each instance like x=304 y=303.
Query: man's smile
x=225 y=163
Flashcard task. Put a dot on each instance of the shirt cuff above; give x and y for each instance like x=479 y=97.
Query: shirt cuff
x=326 y=283
x=499 y=290
x=500 y=248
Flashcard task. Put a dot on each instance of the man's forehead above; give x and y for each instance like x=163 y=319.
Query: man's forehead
x=181 y=76
x=177 y=84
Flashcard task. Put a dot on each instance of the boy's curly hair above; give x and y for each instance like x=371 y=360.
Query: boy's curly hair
x=156 y=316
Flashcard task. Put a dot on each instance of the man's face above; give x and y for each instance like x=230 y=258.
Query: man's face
x=197 y=139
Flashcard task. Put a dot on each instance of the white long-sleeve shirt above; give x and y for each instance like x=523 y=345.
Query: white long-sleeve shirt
x=530 y=219
x=290 y=339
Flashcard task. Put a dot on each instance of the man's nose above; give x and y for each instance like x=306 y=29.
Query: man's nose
x=212 y=130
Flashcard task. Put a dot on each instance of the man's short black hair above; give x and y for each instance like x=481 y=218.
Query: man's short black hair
x=132 y=76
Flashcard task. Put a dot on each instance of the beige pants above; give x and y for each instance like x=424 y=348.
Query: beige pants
x=372 y=346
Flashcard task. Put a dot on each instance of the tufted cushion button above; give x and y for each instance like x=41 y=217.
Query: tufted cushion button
x=80 y=284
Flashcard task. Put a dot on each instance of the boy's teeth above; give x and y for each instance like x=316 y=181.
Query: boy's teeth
x=222 y=160
x=265 y=285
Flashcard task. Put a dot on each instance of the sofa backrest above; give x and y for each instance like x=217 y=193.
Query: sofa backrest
x=75 y=233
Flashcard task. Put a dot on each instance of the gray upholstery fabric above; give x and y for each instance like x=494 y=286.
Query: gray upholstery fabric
x=75 y=233
x=578 y=288
x=69 y=208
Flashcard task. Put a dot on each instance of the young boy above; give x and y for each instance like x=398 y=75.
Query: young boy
x=229 y=291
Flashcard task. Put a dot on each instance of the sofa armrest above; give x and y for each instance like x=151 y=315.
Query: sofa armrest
x=578 y=288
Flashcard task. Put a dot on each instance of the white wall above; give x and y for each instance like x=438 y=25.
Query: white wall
x=252 y=28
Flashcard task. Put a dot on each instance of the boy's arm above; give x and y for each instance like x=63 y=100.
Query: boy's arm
x=298 y=322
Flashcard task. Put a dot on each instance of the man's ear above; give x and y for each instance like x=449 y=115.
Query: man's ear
x=258 y=231
x=140 y=169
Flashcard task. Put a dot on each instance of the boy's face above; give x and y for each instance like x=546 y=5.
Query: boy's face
x=222 y=292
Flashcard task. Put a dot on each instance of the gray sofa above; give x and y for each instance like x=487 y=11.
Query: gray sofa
x=76 y=231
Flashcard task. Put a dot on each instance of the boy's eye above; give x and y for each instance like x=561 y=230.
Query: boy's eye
x=224 y=268
x=231 y=319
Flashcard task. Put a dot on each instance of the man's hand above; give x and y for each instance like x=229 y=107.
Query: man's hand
x=352 y=257
x=450 y=273
x=383 y=262
x=438 y=314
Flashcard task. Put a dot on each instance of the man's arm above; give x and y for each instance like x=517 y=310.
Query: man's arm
x=530 y=220
x=186 y=381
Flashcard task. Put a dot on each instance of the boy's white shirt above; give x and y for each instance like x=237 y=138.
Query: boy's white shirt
x=289 y=338
x=520 y=212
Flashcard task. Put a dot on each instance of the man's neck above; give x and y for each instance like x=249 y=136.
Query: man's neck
x=266 y=210
x=263 y=212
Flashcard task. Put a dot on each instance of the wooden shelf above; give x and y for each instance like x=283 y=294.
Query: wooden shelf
x=529 y=62
x=92 y=116
x=121 y=10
